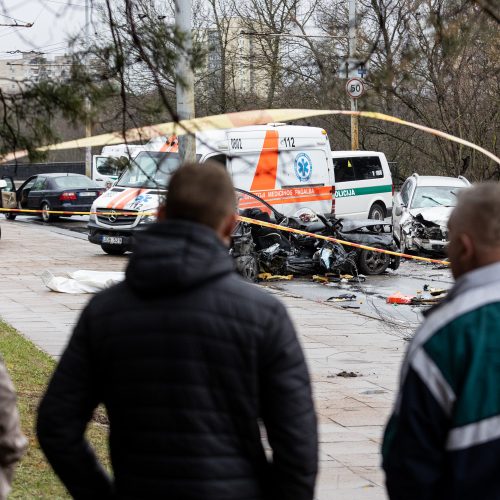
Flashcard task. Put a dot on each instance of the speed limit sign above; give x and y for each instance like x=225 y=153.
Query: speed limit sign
x=355 y=88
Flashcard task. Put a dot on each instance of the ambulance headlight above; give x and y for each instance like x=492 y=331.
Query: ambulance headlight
x=92 y=217
x=148 y=218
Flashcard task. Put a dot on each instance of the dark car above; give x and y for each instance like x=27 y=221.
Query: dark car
x=60 y=192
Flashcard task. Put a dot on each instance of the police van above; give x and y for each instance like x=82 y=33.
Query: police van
x=288 y=166
x=363 y=185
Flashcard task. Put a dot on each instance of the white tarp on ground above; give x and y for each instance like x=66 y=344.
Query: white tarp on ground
x=82 y=281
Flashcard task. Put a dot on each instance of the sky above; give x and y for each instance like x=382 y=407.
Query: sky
x=54 y=21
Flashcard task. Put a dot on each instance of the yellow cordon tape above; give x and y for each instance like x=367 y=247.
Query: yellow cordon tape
x=249 y=221
x=230 y=120
x=67 y=212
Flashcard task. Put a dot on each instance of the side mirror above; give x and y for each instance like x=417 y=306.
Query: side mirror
x=3 y=183
x=398 y=210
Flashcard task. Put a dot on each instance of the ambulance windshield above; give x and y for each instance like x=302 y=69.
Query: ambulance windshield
x=150 y=170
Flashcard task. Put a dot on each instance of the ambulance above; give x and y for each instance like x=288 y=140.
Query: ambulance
x=289 y=166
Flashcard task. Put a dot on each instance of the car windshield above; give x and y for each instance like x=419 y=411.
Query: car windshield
x=435 y=196
x=150 y=170
x=74 y=182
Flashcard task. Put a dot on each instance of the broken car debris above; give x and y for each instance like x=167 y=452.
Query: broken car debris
x=258 y=249
x=433 y=296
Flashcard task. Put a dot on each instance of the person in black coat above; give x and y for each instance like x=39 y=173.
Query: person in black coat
x=193 y=366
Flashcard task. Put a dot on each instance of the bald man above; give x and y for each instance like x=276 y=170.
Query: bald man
x=443 y=439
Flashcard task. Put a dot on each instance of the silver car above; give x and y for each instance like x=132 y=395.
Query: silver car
x=421 y=211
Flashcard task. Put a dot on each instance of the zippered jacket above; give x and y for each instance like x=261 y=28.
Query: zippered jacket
x=443 y=439
x=191 y=363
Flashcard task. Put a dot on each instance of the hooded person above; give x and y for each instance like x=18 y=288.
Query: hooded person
x=442 y=441
x=193 y=366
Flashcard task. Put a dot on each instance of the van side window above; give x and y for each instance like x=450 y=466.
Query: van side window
x=222 y=159
x=344 y=169
x=111 y=165
x=367 y=168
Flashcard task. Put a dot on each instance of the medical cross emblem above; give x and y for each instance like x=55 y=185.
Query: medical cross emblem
x=303 y=167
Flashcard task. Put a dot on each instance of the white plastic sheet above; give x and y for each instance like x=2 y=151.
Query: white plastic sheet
x=82 y=281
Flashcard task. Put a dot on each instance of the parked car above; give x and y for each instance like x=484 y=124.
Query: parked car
x=46 y=192
x=421 y=211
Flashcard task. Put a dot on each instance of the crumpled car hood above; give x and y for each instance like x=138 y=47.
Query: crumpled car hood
x=437 y=215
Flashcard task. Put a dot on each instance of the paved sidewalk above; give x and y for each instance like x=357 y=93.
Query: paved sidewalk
x=351 y=410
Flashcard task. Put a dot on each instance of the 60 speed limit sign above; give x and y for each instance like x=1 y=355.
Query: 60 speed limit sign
x=355 y=88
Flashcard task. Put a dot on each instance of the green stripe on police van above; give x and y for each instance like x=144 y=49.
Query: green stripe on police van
x=344 y=193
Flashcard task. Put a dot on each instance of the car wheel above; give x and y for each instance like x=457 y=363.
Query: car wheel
x=113 y=249
x=248 y=267
x=377 y=212
x=10 y=215
x=371 y=263
x=46 y=216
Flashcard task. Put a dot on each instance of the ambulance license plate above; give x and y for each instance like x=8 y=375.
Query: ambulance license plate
x=112 y=240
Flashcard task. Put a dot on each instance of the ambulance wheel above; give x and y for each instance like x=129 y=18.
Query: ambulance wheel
x=377 y=212
x=113 y=249
x=10 y=215
x=371 y=263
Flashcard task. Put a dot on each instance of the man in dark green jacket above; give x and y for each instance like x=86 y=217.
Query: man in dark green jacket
x=443 y=439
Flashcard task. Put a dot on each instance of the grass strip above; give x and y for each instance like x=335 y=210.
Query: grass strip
x=30 y=370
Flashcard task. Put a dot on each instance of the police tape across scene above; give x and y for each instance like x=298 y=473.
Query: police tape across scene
x=249 y=221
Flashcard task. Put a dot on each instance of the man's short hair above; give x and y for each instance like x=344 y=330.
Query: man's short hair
x=200 y=193
x=479 y=206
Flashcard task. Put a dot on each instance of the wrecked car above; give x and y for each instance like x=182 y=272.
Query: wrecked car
x=421 y=211
x=259 y=249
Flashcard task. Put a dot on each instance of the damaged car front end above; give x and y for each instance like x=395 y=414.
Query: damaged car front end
x=426 y=230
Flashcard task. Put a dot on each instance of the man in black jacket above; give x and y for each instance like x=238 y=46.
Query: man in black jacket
x=188 y=360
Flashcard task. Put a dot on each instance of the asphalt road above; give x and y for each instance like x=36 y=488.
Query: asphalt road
x=371 y=295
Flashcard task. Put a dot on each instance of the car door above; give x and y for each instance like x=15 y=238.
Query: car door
x=36 y=193
x=8 y=198
x=24 y=191
x=400 y=206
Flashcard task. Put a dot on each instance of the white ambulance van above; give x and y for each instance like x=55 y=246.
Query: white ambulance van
x=104 y=171
x=288 y=166
x=363 y=185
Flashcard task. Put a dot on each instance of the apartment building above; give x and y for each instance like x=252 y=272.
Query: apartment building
x=16 y=73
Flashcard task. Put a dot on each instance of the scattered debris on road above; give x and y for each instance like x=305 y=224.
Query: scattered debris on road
x=345 y=374
x=274 y=277
x=345 y=297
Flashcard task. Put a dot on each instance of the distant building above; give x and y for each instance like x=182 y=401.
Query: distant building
x=15 y=74
x=242 y=76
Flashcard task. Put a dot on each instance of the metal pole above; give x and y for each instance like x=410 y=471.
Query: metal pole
x=185 y=78
x=88 y=123
x=352 y=55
